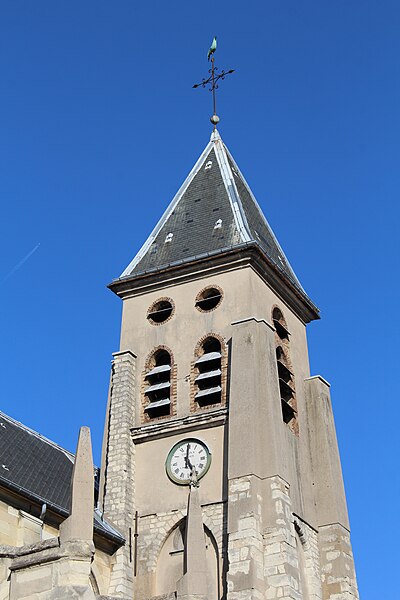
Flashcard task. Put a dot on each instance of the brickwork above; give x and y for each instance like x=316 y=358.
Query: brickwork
x=144 y=400
x=200 y=295
x=118 y=503
x=194 y=406
x=285 y=346
x=152 y=307
x=337 y=564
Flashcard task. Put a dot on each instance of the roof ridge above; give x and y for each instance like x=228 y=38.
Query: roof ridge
x=168 y=210
x=263 y=217
x=231 y=190
x=69 y=454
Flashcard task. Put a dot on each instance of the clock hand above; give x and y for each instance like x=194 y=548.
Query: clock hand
x=193 y=472
x=187 y=459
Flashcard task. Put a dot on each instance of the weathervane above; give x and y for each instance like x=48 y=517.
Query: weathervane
x=213 y=79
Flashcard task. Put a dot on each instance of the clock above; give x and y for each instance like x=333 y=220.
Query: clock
x=185 y=457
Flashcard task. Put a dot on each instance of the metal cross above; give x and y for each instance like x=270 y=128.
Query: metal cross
x=213 y=79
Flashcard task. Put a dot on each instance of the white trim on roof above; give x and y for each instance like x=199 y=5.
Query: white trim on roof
x=230 y=186
x=34 y=433
x=222 y=153
x=264 y=219
x=143 y=250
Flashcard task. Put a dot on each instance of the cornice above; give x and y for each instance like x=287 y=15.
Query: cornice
x=230 y=259
x=193 y=422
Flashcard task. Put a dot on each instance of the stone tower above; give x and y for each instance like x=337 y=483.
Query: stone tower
x=211 y=387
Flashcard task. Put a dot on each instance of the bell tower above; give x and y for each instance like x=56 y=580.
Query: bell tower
x=212 y=407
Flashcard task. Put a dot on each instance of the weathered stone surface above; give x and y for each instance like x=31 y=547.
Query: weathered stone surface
x=79 y=525
x=193 y=584
x=118 y=467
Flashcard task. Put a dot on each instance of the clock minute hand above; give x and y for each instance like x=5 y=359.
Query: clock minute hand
x=193 y=472
x=187 y=459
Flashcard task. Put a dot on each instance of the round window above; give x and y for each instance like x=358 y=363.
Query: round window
x=160 y=311
x=209 y=299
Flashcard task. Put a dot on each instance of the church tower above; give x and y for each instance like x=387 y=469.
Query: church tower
x=212 y=407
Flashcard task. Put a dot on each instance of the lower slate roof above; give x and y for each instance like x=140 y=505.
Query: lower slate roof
x=40 y=470
x=214 y=209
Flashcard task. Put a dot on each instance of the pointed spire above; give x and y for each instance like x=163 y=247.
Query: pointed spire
x=215 y=190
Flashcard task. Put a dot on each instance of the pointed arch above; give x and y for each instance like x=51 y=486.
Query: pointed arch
x=170 y=562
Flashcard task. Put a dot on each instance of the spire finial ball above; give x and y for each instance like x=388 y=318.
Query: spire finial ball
x=214 y=119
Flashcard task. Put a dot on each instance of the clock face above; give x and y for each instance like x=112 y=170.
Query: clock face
x=185 y=456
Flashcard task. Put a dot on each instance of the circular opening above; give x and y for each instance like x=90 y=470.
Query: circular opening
x=160 y=311
x=208 y=299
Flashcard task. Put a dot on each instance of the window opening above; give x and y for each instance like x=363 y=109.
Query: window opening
x=160 y=311
x=208 y=379
x=158 y=381
x=285 y=375
x=208 y=299
x=280 y=325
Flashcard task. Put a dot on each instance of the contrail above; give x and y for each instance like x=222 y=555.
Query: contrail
x=21 y=262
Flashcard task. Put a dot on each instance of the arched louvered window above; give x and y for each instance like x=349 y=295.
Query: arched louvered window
x=208 y=373
x=158 y=384
x=285 y=374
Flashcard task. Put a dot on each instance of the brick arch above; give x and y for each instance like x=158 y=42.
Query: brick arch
x=276 y=307
x=152 y=353
x=211 y=334
x=144 y=417
x=194 y=407
x=284 y=344
x=161 y=299
x=204 y=289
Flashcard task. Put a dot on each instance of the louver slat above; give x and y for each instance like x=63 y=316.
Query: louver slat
x=209 y=391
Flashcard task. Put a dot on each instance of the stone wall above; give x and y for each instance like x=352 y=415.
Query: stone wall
x=154 y=529
x=18 y=527
x=50 y=571
x=308 y=546
x=119 y=467
x=337 y=563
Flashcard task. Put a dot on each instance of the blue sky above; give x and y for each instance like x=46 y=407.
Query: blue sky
x=99 y=127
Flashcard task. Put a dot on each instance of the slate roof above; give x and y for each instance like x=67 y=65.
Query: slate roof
x=39 y=469
x=215 y=192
